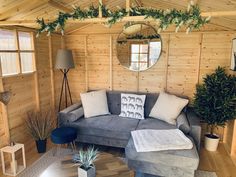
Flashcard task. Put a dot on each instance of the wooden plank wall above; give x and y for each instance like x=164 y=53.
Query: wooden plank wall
x=31 y=91
x=185 y=59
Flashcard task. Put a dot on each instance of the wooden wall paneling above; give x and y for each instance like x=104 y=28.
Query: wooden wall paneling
x=4 y=123
x=100 y=29
x=50 y=45
x=22 y=101
x=29 y=92
x=86 y=62
x=229 y=138
x=36 y=83
x=111 y=63
x=56 y=43
x=183 y=63
x=233 y=150
x=43 y=70
x=167 y=62
x=123 y=79
x=230 y=132
x=77 y=76
x=154 y=79
x=98 y=61
x=199 y=58
x=216 y=51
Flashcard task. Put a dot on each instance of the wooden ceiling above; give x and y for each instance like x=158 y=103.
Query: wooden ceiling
x=25 y=12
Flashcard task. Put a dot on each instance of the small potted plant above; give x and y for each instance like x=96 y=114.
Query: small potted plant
x=86 y=161
x=215 y=103
x=40 y=125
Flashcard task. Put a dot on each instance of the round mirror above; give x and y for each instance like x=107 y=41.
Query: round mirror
x=138 y=47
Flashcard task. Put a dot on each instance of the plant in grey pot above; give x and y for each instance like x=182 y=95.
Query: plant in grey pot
x=86 y=161
x=40 y=125
x=215 y=103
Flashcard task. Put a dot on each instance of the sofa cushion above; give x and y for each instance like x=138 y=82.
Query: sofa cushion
x=168 y=107
x=156 y=124
x=94 y=103
x=189 y=158
x=110 y=126
x=182 y=123
x=132 y=106
x=151 y=123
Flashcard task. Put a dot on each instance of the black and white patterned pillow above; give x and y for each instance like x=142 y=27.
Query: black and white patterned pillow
x=132 y=106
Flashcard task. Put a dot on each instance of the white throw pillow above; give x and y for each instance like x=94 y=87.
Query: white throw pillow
x=168 y=107
x=94 y=103
x=132 y=106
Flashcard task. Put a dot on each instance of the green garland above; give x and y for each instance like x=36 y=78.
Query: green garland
x=190 y=18
x=139 y=37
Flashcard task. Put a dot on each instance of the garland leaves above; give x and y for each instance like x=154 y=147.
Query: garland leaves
x=139 y=37
x=190 y=18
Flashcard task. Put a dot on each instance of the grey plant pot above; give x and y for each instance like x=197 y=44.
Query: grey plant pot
x=83 y=173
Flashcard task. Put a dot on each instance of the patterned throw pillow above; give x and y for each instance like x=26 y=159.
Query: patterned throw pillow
x=132 y=106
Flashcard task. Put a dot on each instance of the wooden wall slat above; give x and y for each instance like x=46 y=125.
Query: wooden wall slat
x=77 y=79
x=154 y=79
x=183 y=63
x=22 y=101
x=216 y=51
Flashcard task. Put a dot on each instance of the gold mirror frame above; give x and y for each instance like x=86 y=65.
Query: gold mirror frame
x=138 y=36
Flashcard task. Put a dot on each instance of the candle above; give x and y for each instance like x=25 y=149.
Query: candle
x=12 y=165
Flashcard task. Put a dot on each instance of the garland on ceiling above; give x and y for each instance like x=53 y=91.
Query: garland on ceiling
x=190 y=18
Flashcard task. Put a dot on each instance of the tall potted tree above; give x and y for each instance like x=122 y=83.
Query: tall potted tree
x=40 y=125
x=215 y=102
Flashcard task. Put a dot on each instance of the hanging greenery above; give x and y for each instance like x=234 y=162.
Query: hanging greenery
x=139 y=37
x=190 y=18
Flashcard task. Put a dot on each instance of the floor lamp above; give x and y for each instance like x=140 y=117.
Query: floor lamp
x=64 y=62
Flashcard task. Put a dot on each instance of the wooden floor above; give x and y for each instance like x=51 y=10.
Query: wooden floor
x=218 y=161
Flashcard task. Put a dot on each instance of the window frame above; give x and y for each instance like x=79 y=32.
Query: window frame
x=139 y=53
x=18 y=52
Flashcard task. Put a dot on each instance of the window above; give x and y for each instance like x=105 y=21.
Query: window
x=139 y=56
x=144 y=55
x=16 y=52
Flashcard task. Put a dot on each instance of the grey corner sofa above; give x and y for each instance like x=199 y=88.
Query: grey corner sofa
x=112 y=130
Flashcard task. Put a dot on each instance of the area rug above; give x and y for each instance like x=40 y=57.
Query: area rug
x=39 y=166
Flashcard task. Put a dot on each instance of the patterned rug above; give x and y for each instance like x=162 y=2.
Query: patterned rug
x=39 y=166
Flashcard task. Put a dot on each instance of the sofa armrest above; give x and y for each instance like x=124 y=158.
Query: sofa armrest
x=195 y=131
x=62 y=115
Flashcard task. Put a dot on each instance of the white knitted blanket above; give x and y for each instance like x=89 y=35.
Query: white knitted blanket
x=159 y=140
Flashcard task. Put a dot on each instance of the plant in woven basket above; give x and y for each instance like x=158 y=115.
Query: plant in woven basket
x=215 y=101
x=86 y=159
x=40 y=125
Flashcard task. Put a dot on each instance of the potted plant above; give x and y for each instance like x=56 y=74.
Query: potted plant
x=86 y=161
x=40 y=125
x=215 y=103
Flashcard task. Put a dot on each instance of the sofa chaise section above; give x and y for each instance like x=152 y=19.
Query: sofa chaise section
x=171 y=163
